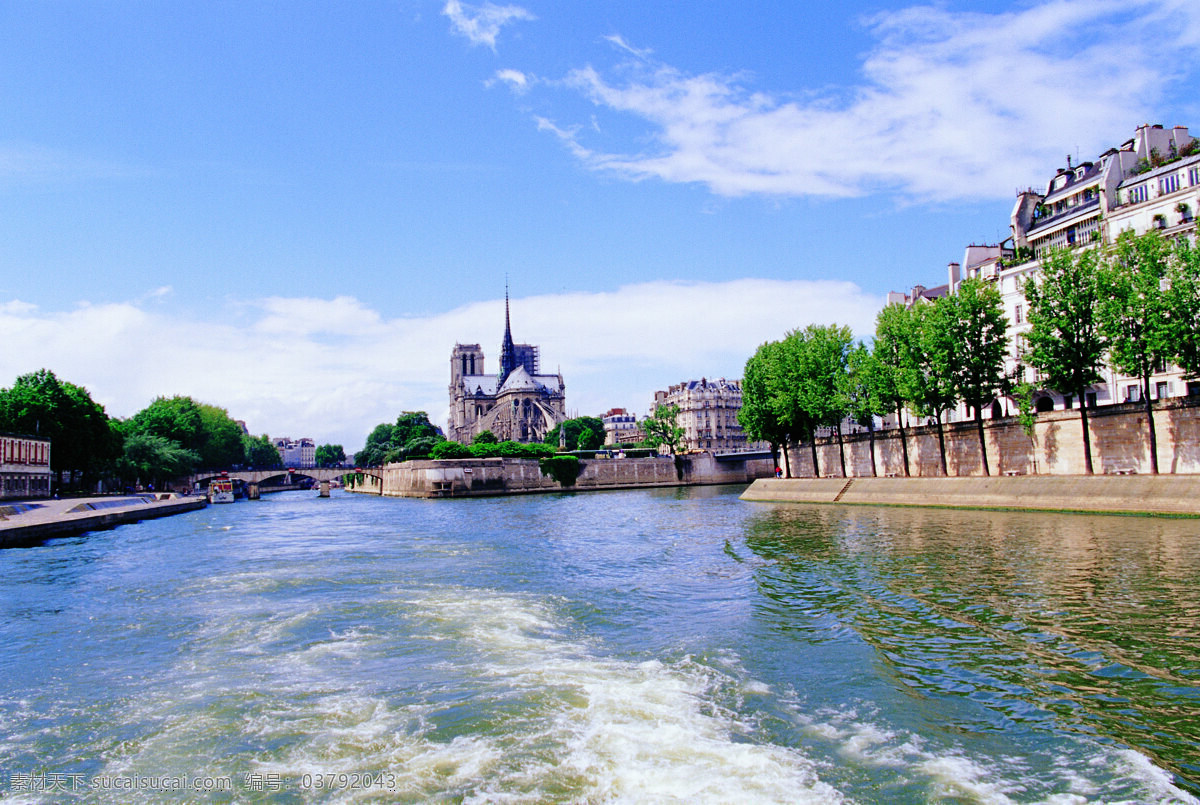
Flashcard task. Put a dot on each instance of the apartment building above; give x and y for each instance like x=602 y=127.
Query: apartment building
x=708 y=412
x=621 y=427
x=24 y=467
x=296 y=453
x=1151 y=181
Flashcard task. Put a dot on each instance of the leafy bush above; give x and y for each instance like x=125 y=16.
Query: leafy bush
x=449 y=449
x=564 y=469
x=510 y=449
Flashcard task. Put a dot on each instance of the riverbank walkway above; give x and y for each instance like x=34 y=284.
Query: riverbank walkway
x=27 y=522
x=1177 y=495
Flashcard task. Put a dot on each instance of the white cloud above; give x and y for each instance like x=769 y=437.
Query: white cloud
x=481 y=24
x=952 y=105
x=333 y=369
x=517 y=81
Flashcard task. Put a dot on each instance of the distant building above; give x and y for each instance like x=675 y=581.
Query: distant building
x=708 y=412
x=296 y=453
x=24 y=467
x=621 y=427
x=517 y=403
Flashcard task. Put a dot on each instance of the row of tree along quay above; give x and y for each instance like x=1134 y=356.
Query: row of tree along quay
x=1134 y=305
x=170 y=438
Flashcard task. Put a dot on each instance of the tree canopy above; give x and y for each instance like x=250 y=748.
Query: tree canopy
x=662 y=428
x=583 y=433
x=330 y=455
x=206 y=430
x=1064 y=341
x=977 y=341
x=261 y=454
x=411 y=435
x=84 y=439
x=1135 y=315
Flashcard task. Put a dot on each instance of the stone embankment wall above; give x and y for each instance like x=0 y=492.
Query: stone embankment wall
x=507 y=476
x=1143 y=494
x=1120 y=445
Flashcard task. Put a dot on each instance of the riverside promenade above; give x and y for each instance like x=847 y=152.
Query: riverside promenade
x=1177 y=495
x=29 y=522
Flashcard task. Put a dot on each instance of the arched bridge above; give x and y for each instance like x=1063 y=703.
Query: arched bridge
x=269 y=478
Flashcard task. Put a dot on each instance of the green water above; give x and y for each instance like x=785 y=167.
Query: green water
x=643 y=646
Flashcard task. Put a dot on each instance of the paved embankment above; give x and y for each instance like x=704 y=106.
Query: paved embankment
x=1124 y=494
x=28 y=522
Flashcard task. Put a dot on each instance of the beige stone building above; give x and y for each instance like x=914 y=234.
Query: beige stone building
x=708 y=412
x=621 y=427
x=518 y=402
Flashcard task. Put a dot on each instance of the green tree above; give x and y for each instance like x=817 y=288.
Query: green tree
x=413 y=425
x=330 y=455
x=1064 y=341
x=260 y=454
x=83 y=439
x=485 y=437
x=220 y=438
x=412 y=434
x=1135 y=315
x=865 y=385
x=152 y=459
x=662 y=428
x=976 y=334
x=760 y=414
x=1183 y=300
x=929 y=384
x=206 y=430
x=897 y=354
x=416 y=447
x=379 y=442
x=820 y=353
x=788 y=386
x=583 y=433
x=177 y=419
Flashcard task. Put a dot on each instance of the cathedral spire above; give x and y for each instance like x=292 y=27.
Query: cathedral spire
x=508 y=352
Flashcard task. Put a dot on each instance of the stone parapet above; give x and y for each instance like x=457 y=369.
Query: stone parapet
x=511 y=476
x=1120 y=445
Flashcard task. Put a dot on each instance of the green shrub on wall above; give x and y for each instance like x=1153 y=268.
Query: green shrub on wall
x=564 y=469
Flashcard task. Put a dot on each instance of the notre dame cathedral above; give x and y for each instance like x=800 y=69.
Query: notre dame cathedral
x=517 y=403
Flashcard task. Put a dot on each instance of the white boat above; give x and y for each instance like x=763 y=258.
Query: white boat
x=220 y=490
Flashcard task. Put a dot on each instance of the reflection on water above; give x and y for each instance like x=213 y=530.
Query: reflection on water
x=658 y=645
x=1086 y=623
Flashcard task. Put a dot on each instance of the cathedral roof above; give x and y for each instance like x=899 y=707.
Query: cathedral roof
x=520 y=380
x=480 y=384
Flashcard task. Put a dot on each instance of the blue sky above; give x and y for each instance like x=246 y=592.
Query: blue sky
x=295 y=209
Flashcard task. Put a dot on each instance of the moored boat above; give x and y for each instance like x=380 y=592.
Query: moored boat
x=220 y=490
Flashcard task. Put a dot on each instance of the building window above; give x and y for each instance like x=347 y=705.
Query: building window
x=1138 y=194
x=1168 y=184
x=1161 y=389
x=1194 y=176
x=1018 y=315
x=1133 y=393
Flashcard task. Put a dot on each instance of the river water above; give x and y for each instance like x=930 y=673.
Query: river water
x=658 y=646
